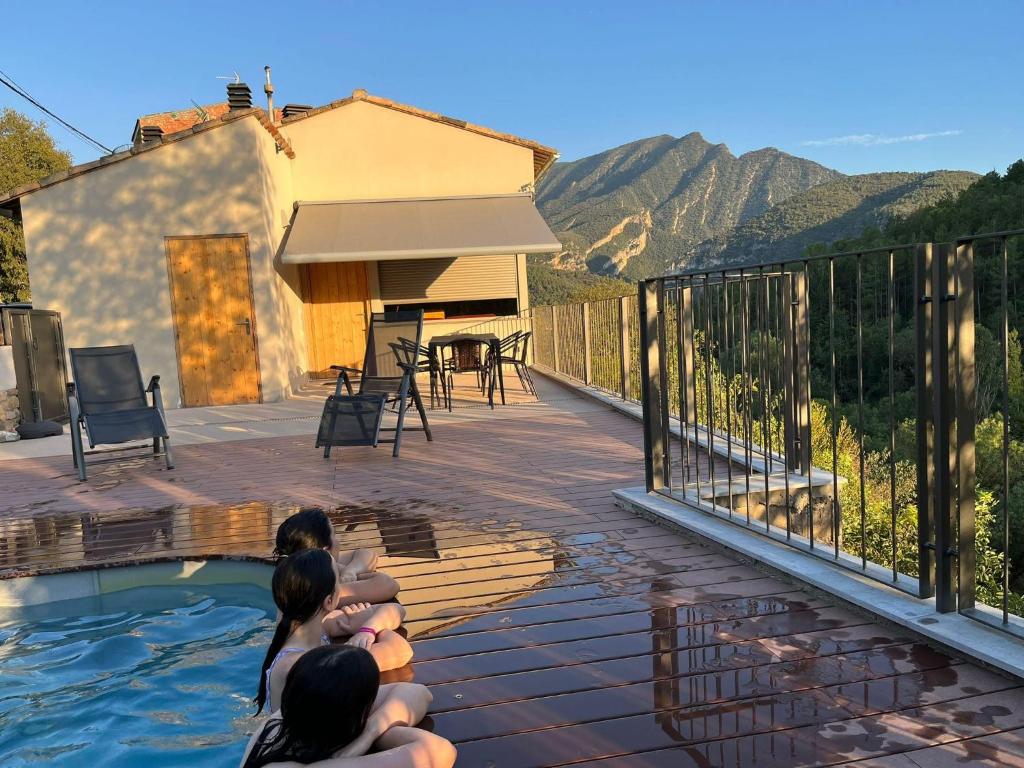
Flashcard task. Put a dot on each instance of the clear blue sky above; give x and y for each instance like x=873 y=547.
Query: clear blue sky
x=858 y=86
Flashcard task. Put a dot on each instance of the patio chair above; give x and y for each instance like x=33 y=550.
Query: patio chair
x=389 y=369
x=108 y=399
x=514 y=349
x=350 y=420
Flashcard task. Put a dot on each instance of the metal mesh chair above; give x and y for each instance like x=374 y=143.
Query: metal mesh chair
x=108 y=399
x=389 y=370
x=514 y=350
x=350 y=420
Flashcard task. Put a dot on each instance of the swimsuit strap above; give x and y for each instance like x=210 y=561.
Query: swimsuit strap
x=277 y=658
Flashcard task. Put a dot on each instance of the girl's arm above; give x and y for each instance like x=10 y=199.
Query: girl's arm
x=401 y=704
x=401 y=748
x=357 y=562
x=349 y=618
x=390 y=650
x=386 y=616
x=375 y=588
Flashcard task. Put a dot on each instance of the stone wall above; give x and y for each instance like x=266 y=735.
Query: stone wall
x=10 y=414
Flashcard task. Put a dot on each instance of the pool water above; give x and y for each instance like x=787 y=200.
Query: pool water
x=154 y=676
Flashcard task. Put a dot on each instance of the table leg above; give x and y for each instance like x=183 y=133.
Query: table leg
x=501 y=375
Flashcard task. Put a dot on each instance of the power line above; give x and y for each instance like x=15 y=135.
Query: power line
x=8 y=81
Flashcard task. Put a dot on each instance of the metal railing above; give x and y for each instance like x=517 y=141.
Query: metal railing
x=877 y=471
x=594 y=343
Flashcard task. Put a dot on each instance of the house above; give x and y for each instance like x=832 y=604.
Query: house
x=241 y=254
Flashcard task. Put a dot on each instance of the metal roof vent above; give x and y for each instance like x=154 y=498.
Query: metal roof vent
x=291 y=110
x=150 y=134
x=239 y=96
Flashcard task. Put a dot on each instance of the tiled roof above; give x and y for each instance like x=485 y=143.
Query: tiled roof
x=168 y=138
x=183 y=119
x=218 y=114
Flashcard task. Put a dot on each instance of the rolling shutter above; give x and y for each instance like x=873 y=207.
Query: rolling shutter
x=408 y=281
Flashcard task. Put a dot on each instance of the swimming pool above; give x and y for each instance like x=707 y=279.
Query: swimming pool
x=153 y=676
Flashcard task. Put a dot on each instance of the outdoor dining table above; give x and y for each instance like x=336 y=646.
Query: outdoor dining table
x=437 y=346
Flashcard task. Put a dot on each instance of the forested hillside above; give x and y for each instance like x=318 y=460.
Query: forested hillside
x=569 y=286
x=828 y=212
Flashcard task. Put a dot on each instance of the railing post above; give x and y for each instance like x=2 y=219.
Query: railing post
x=688 y=404
x=802 y=371
x=648 y=295
x=791 y=438
x=965 y=420
x=923 y=293
x=624 y=348
x=943 y=329
x=587 y=372
x=796 y=378
x=554 y=339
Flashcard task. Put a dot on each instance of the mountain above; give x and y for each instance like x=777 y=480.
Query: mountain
x=635 y=209
x=837 y=209
x=663 y=203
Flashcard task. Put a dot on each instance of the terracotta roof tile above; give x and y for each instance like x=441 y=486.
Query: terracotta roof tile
x=183 y=119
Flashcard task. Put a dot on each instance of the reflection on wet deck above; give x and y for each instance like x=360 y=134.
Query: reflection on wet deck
x=552 y=627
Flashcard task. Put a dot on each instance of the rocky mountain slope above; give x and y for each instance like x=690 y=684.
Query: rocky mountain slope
x=663 y=203
x=634 y=209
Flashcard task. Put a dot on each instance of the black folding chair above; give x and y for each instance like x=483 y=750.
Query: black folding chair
x=386 y=372
x=108 y=399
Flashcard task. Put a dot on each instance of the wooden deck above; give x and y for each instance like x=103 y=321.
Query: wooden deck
x=553 y=627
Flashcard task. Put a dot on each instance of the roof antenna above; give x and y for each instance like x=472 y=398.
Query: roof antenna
x=235 y=76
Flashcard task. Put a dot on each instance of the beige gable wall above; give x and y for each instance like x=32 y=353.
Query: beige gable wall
x=96 y=252
x=365 y=151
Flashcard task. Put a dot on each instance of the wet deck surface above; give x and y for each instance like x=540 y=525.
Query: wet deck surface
x=552 y=627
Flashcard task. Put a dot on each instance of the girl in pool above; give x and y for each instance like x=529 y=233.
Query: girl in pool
x=310 y=528
x=306 y=588
x=334 y=711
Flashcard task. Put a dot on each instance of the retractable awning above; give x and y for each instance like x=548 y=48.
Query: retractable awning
x=383 y=230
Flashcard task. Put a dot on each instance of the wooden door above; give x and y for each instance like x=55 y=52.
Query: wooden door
x=337 y=300
x=214 y=322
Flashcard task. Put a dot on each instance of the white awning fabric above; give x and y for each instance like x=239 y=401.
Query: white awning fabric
x=383 y=230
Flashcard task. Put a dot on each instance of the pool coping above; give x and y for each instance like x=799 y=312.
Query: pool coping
x=89 y=581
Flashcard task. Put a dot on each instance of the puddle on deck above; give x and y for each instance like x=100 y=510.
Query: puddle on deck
x=447 y=568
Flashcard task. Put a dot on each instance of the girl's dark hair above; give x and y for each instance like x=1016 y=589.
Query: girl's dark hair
x=300 y=585
x=324 y=707
x=308 y=528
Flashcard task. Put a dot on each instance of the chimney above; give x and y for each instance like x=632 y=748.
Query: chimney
x=239 y=97
x=291 y=110
x=269 y=90
x=151 y=134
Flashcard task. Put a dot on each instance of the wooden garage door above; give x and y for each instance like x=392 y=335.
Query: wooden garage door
x=337 y=301
x=214 y=323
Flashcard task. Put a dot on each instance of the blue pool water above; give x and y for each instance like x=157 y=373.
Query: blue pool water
x=155 y=676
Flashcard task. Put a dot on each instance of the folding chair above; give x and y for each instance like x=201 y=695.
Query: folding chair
x=388 y=372
x=107 y=399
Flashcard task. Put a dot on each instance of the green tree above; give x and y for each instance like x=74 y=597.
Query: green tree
x=27 y=153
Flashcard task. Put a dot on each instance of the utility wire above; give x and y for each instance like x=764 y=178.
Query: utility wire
x=8 y=81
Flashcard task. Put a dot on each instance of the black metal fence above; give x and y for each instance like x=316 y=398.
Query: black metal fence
x=908 y=349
